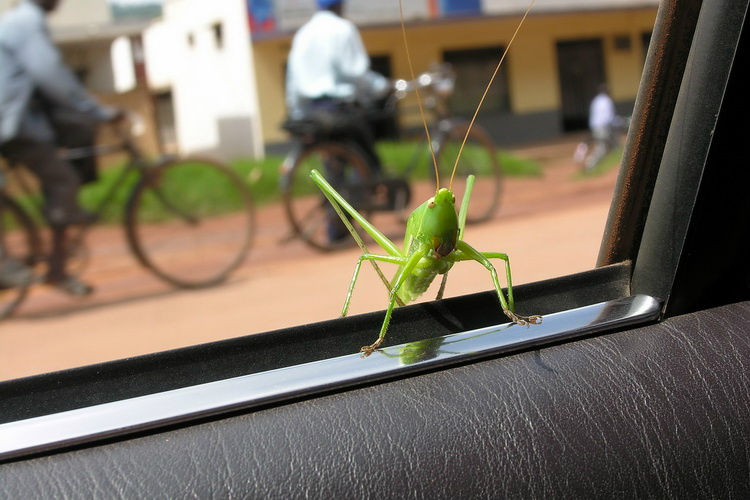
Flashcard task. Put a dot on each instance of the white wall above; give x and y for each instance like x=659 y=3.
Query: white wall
x=215 y=99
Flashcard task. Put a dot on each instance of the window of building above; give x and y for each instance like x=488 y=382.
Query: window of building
x=164 y=111
x=218 y=31
x=385 y=126
x=581 y=71
x=622 y=42
x=472 y=68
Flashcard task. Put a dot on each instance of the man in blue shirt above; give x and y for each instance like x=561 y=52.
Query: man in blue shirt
x=43 y=107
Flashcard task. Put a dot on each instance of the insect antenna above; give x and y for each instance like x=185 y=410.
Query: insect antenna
x=486 y=90
x=419 y=98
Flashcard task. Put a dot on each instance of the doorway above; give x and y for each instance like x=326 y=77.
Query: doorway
x=580 y=65
x=384 y=124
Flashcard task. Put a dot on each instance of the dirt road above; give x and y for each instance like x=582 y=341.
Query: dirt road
x=549 y=226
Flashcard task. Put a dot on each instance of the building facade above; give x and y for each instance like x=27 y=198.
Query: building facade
x=209 y=76
x=105 y=52
x=199 y=66
x=564 y=52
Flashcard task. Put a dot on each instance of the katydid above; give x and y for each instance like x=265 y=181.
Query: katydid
x=432 y=244
x=433 y=241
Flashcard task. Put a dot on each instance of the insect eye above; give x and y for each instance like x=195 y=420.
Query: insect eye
x=431 y=204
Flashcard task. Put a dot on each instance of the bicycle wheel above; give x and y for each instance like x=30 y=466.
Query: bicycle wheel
x=190 y=221
x=479 y=158
x=19 y=241
x=309 y=212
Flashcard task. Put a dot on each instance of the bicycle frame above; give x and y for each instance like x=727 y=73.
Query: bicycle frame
x=135 y=162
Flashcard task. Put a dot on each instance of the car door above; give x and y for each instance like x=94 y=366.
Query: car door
x=635 y=384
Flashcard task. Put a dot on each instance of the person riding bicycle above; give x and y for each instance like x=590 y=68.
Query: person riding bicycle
x=328 y=75
x=43 y=107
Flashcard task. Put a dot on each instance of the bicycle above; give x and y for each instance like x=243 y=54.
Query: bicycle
x=321 y=144
x=189 y=221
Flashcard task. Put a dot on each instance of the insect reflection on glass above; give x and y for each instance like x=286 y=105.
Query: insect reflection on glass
x=434 y=235
x=427 y=349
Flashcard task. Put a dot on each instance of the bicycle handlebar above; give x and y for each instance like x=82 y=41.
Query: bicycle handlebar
x=439 y=79
x=125 y=129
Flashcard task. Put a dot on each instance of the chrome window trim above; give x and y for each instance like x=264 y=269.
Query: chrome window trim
x=92 y=423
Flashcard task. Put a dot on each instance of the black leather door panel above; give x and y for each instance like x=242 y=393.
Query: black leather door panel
x=662 y=410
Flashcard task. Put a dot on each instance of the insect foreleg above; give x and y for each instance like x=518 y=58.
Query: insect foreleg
x=336 y=202
x=405 y=271
x=339 y=203
x=371 y=257
x=461 y=224
x=467 y=252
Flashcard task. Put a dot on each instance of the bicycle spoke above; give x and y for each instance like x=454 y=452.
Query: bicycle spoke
x=171 y=207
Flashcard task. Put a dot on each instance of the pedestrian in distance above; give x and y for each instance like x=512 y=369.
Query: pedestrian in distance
x=602 y=118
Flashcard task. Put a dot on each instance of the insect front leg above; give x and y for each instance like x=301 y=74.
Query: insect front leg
x=467 y=252
x=340 y=205
x=391 y=259
x=404 y=272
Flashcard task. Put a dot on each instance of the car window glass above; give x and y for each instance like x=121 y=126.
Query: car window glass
x=206 y=86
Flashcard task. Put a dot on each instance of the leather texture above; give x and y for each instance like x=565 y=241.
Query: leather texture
x=658 y=411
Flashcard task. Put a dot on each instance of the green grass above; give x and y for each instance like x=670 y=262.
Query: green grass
x=263 y=178
x=399 y=156
x=92 y=194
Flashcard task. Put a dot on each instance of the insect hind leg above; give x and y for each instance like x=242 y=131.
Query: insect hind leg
x=467 y=252
x=534 y=319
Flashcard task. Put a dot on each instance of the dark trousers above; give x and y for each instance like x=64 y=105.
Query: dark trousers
x=59 y=179
x=343 y=122
x=347 y=122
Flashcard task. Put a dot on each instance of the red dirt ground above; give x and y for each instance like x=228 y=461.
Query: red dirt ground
x=550 y=226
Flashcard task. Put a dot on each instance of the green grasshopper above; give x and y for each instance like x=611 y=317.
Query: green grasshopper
x=433 y=241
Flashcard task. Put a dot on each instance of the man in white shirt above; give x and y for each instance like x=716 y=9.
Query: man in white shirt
x=328 y=76
x=329 y=69
x=602 y=118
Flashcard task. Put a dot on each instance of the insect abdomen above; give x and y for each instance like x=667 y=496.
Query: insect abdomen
x=419 y=281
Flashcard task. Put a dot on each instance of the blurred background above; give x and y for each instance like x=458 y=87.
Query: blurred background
x=208 y=78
